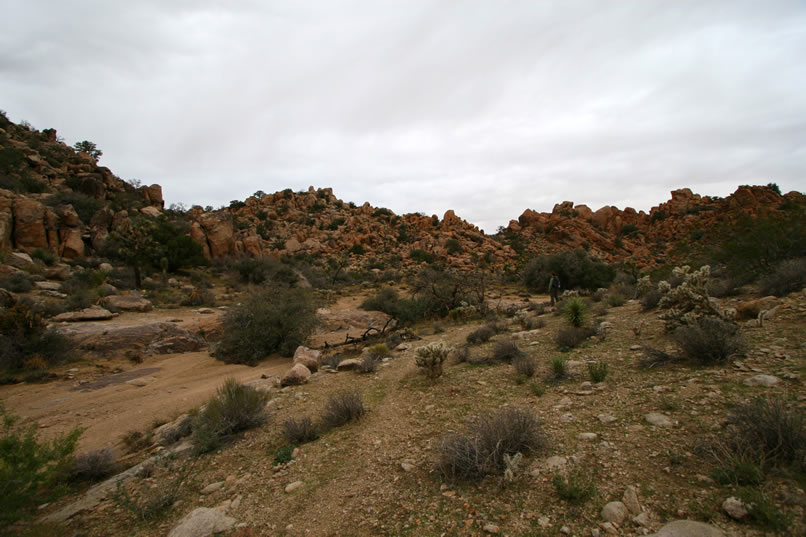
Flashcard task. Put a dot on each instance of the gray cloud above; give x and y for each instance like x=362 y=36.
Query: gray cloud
x=486 y=108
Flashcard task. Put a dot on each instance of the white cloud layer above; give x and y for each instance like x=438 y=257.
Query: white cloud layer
x=483 y=107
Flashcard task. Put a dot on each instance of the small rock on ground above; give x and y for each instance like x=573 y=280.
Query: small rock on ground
x=291 y=487
x=659 y=420
x=688 y=528
x=491 y=528
x=614 y=512
x=735 y=508
x=762 y=380
x=202 y=522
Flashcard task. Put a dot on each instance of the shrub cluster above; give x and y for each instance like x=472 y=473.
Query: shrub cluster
x=571 y=337
x=299 y=431
x=506 y=351
x=25 y=340
x=525 y=366
x=95 y=465
x=576 y=269
x=710 y=341
x=276 y=320
x=489 y=439
x=788 y=277
x=342 y=408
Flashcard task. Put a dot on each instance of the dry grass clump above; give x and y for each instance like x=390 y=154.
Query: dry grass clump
x=342 y=408
x=95 y=465
x=299 y=431
x=481 y=335
x=481 y=451
x=597 y=371
x=369 y=364
x=788 y=277
x=235 y=407
x=570 y=337
x=769 y=429
x=525 y=366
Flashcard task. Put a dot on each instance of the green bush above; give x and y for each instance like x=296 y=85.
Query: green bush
x=24 y=336
x=259 y=270
x=575 y=311
x=31 y=471
x=559 y=368
x=575 y=488
x=17 y=282
x=597 y=371
x=453 y=246
x=710 y=341
x=616 y=300
x=284 y=454
x=422 y=256
x=489 y=439
x=44 y=255
x=234 y=408
x=576 y=270
x=787 y=277
x=84 y=206
x=278 y=320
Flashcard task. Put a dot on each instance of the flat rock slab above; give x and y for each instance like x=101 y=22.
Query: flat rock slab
x=126 y=303
x=152 y=338
x=658 y=420
x=761 y=380
x=688 y=528
x=202 y=522
x=89 y=314
x=128 y=377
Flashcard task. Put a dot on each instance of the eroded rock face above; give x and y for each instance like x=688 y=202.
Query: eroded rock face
x=219 y=233
x=310 y=358
x=29 y=224
x=151 y=338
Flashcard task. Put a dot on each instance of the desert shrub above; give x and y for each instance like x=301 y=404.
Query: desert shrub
x=234 y=408
x=763 y=512
x=506 y=351
x=379 y=350
x=576 y=270
x=137 y=440
x=480 y=335
x=284 y=454
x=32 y=471
x=710 y=341
x=200 y=297
x=437 y=327
x=538 y=308
x=44 y=255
x=559 y=368
x=461 y=353
x=278 y=320
x=724 y=287
x=24 y=335
x=650 y=299
x=597 y=371
x=369 y=364
x=489 y=439
x=95 y=465
x=387 y=300
x=616 y=299
x=430 y=358
x=299 y=431
x=537 y=389
x=342 y=408
x=258 y=270
x=525 y=365
x=17 y=282
x=769 y=430
x=84 y=206
x=788 y=277
x=571 y=337
x=148 y=502
x=576 y=487
x=575 y=311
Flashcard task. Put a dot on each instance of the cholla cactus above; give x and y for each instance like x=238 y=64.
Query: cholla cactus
x=643 y=286
x=430 y=358
x=688 y=302
x=511 y=463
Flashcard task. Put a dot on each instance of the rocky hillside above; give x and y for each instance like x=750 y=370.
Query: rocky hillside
x=616 y=235
x=55 y=198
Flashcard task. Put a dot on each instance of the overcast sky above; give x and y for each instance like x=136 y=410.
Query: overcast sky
x=484 y=107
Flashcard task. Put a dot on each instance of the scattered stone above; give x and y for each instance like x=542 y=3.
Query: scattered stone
x=299 y=374
x=762 y=380
x=606 y=418
x=544 y=522
x=615 y=512
x=202 y=522
x=348 y=364
x=308 y=357
x=751 y=308
x=659 y=420
x=735 y=508
x=141 y=381
x=587 y=436
x=48 y=286
x=565 y=530
x=407 y=466
x=59 y=272
x=688 y=528
x=555 y=462
x=18 y=260
x=94 y=313
x=635 y=348
x=106 y=267
x=630 y=500
x=117 y=303
x=291 y=487
x=491 y=528
x=641 y=519
x=212 y=487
